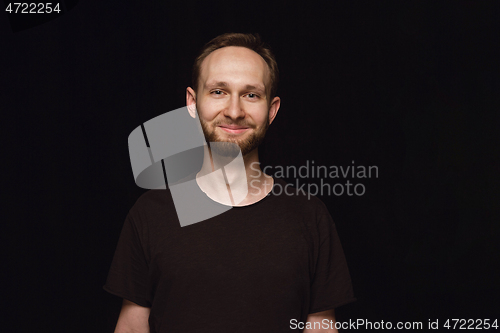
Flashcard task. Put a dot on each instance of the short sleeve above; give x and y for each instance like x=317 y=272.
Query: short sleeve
x=331 y=286
x=128 y=275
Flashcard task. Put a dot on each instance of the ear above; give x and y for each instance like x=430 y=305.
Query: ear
x=273 y=109
x=191 y=101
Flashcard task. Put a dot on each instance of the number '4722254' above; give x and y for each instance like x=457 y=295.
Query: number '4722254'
x=32 y=8
x=478 y=324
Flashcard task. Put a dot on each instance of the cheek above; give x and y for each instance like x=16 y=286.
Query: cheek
x=260 y=116
x=207 y=111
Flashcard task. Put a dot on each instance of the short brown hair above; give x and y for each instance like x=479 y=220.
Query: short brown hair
x=250 y=41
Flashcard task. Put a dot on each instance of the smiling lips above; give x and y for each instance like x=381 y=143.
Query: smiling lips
x=233 y=129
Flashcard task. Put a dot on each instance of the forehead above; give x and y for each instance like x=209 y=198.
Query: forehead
x=238 y=65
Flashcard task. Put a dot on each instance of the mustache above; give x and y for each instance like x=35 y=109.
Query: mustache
x=243 y=124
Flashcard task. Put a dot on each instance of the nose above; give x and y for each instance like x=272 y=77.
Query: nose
x=234 y=110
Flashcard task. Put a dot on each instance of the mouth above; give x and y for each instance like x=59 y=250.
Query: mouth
x=233 y=129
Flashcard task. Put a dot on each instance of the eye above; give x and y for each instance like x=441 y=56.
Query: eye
x=217 y=92
x=252 y=95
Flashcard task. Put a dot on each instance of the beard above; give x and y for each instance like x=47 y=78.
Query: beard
x=228 y=147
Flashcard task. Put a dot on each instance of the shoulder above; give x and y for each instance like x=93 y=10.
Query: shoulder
x=152 y=205
x=299 y=200
x=153 y=197
x=309 y=211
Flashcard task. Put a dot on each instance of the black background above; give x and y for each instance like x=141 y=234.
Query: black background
x=411 y=87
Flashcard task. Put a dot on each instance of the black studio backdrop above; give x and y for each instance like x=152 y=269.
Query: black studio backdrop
x=409 y=87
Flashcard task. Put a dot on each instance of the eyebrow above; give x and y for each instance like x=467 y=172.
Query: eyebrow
x=223 y=84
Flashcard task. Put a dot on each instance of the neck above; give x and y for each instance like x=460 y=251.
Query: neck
x=244 y=179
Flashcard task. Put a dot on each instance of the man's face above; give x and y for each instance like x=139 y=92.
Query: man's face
x=232 y=99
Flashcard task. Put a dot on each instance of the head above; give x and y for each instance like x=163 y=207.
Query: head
x=234 y=86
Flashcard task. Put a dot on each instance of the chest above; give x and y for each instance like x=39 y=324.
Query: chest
x=267 y=252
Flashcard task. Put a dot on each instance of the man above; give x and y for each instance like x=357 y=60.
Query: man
x=272 y=263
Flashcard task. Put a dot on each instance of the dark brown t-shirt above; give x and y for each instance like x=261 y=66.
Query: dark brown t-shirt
x=249 y=269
